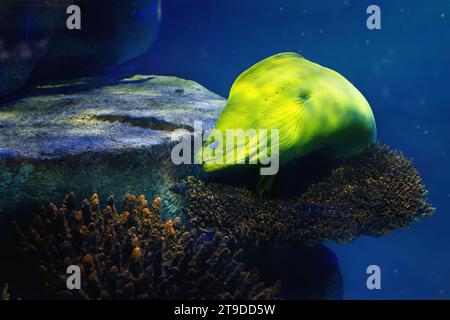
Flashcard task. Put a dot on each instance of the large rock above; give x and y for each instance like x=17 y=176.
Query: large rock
x=112 y=32
x=97 y=135
x=35 y=37
x=83 y=115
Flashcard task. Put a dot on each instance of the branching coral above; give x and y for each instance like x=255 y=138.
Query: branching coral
x=375 y=192
x=128 y=251
x=370 y=194
x=134 y=254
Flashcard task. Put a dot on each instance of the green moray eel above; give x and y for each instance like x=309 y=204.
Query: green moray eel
x=314 y=109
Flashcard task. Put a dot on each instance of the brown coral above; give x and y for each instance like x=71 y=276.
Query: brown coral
x=370 y=194
x=142 y=201
x=157 y=203
x=136 y=257
x=169 y=230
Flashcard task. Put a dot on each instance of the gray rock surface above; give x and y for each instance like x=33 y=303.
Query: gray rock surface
x=100 y=115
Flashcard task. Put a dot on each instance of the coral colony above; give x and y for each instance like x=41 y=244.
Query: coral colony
x=131 y=253
x=370 y=194
x=128 y=251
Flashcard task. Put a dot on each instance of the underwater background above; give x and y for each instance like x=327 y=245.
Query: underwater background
x=401 y=69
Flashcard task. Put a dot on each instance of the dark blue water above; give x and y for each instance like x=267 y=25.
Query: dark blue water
x=402 y=69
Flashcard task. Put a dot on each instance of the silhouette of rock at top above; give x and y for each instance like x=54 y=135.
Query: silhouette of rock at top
x=35 y=41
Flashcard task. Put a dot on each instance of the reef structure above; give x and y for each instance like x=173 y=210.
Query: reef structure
x=369 y=194
x=132 y=253
x=118 y=129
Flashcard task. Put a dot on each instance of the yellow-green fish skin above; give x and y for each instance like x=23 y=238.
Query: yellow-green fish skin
x=313 y=107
